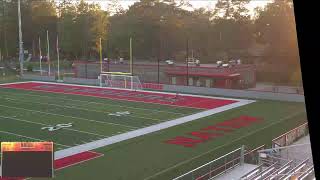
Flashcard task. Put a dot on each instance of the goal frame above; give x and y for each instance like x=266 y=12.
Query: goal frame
x=125 y=78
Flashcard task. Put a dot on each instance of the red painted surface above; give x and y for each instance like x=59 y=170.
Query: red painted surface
x=152 y=86
x=184 y=141
x=75 y=159
x=213 y=132
x=137 y=96
x=17 y=178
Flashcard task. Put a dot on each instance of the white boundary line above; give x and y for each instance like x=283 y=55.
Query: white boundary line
x=143 y=131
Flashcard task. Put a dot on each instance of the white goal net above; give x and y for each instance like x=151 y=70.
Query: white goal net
x=120 y=81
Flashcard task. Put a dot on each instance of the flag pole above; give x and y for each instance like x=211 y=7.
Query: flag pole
x=100 y=50
x=58 y=57
x=48 y=52
x=40 y=56
x=131 y=67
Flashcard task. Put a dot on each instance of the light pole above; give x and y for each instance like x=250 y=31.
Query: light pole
x=21 y=51
x=160 y=48
x=5 y=53
x=187 y=60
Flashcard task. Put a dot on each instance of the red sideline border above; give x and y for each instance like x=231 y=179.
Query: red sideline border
x=68 y=162
x=75 y=159
x=188 y=101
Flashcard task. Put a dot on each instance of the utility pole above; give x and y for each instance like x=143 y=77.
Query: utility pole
x=5 y=53
x=48 y=54
x=21 y=51
x=58 y=56
x=40 y=57
x=131 y=60
x=187 y=61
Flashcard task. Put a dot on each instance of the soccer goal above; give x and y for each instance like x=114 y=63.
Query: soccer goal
x=120 y=80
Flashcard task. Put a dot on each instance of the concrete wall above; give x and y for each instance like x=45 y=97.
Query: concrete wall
x=236 y=93
x=81 y=81
x=191 y=89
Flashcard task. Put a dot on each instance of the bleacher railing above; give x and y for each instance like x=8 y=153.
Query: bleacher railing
x=291 y=136
x=216 y=167
x=252 y=156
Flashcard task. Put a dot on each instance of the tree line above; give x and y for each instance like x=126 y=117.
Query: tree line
x=161 y=29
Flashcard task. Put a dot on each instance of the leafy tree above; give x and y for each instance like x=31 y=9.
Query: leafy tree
x=276 y=27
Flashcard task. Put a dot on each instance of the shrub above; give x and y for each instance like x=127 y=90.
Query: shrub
x=29 y=67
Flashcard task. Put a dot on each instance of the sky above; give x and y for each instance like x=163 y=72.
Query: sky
x=195 y=3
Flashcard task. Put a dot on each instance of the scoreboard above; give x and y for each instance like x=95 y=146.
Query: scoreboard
x=27 y=159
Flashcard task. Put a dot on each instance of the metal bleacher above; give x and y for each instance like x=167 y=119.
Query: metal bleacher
x=252 y=173
x=267 y=171
x=282 y=170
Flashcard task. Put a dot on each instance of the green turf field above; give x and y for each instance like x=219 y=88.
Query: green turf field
x=24 y=113
x=92 y=118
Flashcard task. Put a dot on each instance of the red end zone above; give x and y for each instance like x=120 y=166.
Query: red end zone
x=137 y=96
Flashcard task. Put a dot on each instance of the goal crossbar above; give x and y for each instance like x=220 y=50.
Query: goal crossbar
x=117 y=73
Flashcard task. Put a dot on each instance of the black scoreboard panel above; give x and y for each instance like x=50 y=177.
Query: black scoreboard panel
x=27 y=159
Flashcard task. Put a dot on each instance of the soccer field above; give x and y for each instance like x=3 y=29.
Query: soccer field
x=135 y=130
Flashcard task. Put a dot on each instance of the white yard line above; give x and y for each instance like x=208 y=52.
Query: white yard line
x=42 y=124
x=72 y=107
x=88 y=102
x=27 y=137
x=230 y=142
x=84 y=119
x=143 y=131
